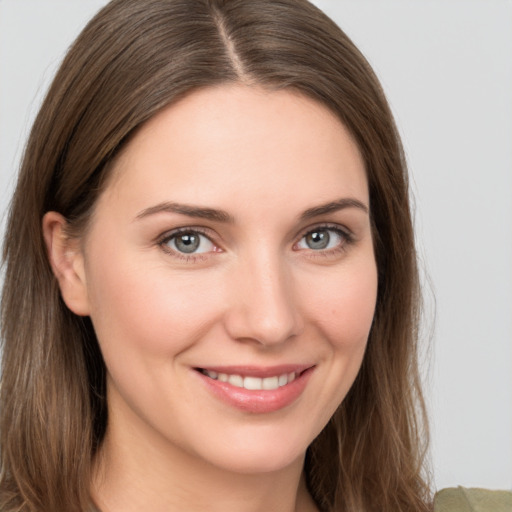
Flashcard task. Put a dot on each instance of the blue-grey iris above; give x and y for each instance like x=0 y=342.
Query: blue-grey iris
x=187 y=242
x=318 y=239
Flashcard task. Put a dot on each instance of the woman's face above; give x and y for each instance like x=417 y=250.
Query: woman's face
x=230 y=276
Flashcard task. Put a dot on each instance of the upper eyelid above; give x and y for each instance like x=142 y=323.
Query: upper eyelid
x=324 y=225
x=167 y=235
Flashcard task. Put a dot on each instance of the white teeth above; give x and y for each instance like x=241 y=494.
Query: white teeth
x=236 y=380
x=283 y=380
x=270 y=382
x=253 y=383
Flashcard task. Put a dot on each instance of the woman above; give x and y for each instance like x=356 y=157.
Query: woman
x=219 y=288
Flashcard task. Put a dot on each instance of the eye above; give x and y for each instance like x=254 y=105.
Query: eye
x=189 y=242
x=322 y=239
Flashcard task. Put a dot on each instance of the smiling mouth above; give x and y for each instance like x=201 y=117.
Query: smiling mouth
x=256 y=389
x=252 y=383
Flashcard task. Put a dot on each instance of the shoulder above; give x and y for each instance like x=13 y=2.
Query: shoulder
x=462 y=499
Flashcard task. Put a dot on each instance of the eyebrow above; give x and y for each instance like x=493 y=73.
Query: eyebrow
x=224 y=217
x=188 y=210
x=333 y=206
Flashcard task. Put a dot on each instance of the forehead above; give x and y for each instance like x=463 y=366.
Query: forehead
x=232 y=141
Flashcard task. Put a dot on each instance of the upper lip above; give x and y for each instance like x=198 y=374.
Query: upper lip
x=258 y=371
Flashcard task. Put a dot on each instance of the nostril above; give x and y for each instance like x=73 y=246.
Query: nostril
x=262 y=308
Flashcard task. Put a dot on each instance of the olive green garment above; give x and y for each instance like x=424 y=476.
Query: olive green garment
x=461 y=499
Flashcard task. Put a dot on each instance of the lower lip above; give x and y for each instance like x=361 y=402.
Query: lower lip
x=258 y=401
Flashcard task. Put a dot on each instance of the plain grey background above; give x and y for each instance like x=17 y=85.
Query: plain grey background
x=447 y=70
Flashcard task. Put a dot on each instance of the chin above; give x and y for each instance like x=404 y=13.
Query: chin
x=265 y=452
x=259 y=463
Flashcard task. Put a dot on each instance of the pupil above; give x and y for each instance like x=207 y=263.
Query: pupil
x=318 y=240
x=187 y=243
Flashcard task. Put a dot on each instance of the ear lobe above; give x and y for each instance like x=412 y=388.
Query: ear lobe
x=66 y=260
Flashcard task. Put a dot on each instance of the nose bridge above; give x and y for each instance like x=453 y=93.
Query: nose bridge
x=263 y=304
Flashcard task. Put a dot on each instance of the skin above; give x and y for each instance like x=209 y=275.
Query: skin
x=256 y=294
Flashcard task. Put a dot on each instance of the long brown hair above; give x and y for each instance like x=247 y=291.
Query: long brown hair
x=134 y=58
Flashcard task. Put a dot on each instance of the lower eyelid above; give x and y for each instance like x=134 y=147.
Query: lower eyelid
x=345 y=236
x=165 y=241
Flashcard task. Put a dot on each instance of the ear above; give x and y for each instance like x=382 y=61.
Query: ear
x=67 y=262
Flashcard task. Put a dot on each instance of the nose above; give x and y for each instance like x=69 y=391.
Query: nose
x=263 y=304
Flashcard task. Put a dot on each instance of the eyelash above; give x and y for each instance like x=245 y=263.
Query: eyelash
x=346 y=235
x=192 y=257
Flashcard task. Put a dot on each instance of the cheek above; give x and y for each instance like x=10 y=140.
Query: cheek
x=344 y=305
x=146 y=308
x=341 y=309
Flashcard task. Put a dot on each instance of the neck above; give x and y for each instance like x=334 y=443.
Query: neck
x=134 y=472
